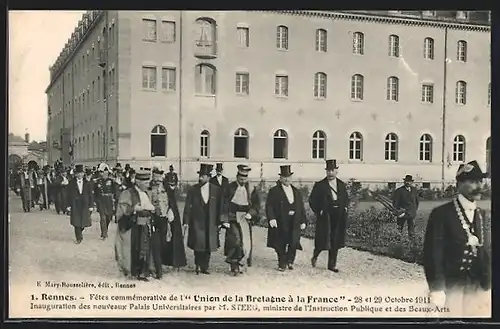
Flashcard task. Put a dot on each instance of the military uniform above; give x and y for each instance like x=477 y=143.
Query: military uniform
x=105 y=191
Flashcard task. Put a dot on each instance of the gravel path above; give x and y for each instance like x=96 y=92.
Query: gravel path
x=41 y=248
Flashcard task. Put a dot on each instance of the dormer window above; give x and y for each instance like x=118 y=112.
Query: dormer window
x=429 y=13
x=462 y=14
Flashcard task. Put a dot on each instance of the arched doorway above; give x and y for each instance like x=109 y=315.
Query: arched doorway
x=488 y=155
x=15 y=161
x=33 y=165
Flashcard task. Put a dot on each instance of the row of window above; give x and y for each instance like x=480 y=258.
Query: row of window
x=207 y=37
x=92 y=145
x=318 y=147
x=205 y=83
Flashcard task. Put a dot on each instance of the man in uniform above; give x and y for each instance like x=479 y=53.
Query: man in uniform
x=81 y=203
x=243 y=208
x=202 y=219
x=457 y=248
x=61 y=191
x=42 y=188
x=406 y=199
x=105 y=192
x=329 y=201
x=286 y=217
x=172 y=176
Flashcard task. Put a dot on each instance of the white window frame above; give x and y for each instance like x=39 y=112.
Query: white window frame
x=320 y=85
x=281 y=84
x=243 y=36
x=457 y=142
x=427 y=93
x=355 y=144
x=358 y=43
x=391 y=147
x=357 y=87
x=429 y=48
x=462 y=51
x=280 y=134
x=171 y=74
x=149 y=32
x=321 y=40
x=205 y=144
x=282 y=37
x=425 y=148
x=393 y=89
x=149 y=79
x=318 y=138
x=394 y=46
x=242 y=83
x=461 y=93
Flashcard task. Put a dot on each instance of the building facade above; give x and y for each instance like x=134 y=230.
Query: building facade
x=384 y=93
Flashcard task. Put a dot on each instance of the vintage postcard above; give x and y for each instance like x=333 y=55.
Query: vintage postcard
x=292 y=163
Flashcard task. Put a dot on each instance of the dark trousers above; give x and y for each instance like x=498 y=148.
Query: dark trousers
x=411 y=225
x=332 y=256
x=35 y=195
x=25 y=200
x=286 y=254
x=61 y=202
x=79 y=233
x=105 y=219
x=202 y=260
x=43 y=204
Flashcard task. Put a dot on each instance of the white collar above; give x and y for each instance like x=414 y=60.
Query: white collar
x=467 y=204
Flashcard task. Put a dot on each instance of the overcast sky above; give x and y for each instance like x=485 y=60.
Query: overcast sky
x=35 y=40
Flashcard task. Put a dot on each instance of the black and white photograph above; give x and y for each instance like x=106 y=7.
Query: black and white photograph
x=249 y=164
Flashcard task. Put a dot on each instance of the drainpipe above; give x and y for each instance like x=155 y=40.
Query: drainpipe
x=443 y=127
x=180 y=93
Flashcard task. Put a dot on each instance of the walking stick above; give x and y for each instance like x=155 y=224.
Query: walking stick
x=387 y=203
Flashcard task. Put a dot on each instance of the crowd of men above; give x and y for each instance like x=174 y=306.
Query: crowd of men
x=151 y=231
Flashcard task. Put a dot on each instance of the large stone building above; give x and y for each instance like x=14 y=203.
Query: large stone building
x=385 y=93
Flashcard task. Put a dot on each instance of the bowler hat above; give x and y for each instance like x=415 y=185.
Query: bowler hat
x=79 y=168
x=470 y=171
x=286 y=171
x=205 y=169
x=408 y=178
x=243 y=170
x=218 y=167
x=331 y=164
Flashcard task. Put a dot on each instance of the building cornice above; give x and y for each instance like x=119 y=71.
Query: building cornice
x=62 y=66
x=408 y=20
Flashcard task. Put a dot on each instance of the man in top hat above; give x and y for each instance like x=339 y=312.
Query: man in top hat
x=219 y=179
x=81 y=202
x=457 y=249
x=61 y=183
x=24 y=187
x=329 y=201
x=172 y=175
x=42 y=188
x=202 y=219
x=243 y=208
x=406 y=199
x=286 y=217
x=105 y=193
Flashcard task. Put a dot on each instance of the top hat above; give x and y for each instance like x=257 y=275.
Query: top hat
x=286 y=171
x=143 y=174
x=218 y=167
x=205 y=169
x=88 y=171
x=118 y=165
x=243 y=170
x=79 y=168
x=127 y=166
x=408 y=178
x=331 y=164
x=470 y=171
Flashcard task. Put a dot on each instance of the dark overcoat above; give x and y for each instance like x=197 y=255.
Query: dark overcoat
x=203 y=235
x=407 y=200
x=80 y=213
x=319 y=200
x=446 y=250
x=276 y=208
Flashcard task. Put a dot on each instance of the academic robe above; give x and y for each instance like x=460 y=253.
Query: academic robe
x=320 y=201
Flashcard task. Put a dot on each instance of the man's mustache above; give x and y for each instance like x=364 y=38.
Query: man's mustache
x=476 y=192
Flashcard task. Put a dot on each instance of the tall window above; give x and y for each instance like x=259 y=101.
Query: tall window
x=281 y=85
x=280 y=144
x=241 y=143
x=98 y=88
x=243 y=34
x=462 y=51
x=167 y=31
x=282 y=37
x=488 y=155
x=357 y=82
x=356 y=146
x=319 y=145
x=459 y=148
x=205 y=79
x=391 y=147
x=429 y=48
x=393 y=89
x=428 y=93
x=93 y=92
x=393 y=45
x=93 y=147
x=425 y=150
x=149 y=77
x=461 y=93
x=320 y=85
x=149 y=30
x=242 y=83
x=158 y=141
x=489 y=93
x=204 y=144
x=321 y=40
x=168 y=78
x=358 y=43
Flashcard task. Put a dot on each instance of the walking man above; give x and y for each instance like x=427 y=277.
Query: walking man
x=329 y=201
x=457 y=249
x=202 y=219
x=105 y=192
x=286 y=215
x=81 y=203
x=406 y=199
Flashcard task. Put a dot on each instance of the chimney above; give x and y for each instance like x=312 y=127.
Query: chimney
x=27 y=138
